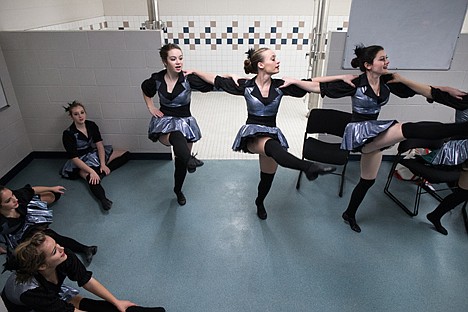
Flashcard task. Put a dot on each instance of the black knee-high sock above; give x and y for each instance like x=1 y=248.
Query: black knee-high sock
x=264 y=186
x=179 y=144
x=68 y=242
x=92 y=305
x=179 y=174
x=56 y=196
x=144 y=309
x=358 y=195
x=451 y=201
x=96 y=189
x=274 y=149
x=119 y=161
x=433 y=130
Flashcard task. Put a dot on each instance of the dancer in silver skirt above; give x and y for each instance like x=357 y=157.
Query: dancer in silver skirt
x=172 y=123
x=365 y=133
x=452 y=153
x=88 y=157
x=260 y=135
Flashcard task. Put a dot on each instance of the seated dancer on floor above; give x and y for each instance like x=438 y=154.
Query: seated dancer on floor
x=88 y=157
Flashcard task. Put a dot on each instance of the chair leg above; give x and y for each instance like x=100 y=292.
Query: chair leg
x=392 y=197
x=418 y=198
x=298 y=183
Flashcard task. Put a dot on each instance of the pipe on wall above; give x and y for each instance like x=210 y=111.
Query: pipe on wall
x=153 y=21
x=317 y=49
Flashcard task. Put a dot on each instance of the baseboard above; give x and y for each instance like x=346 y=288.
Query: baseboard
x=133 y=156
x=63 y=155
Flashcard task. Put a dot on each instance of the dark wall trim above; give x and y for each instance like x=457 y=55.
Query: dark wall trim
x=134 y=156
x=62 y=155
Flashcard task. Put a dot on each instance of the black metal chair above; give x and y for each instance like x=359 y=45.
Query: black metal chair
x=426 y=173
x=327 y=124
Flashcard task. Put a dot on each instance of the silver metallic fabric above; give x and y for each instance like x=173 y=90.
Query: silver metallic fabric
x=166 y=124
x=356 y=134
x=461 y=115
x=91 y=159
x=253 y=130
x=67 y=293
x=37 y=214
x=364 y=104
x=451 y=153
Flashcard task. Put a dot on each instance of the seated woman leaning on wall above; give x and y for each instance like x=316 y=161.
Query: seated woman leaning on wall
x=88 y=157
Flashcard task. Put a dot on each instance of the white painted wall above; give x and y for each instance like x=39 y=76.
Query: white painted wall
x=27 y=14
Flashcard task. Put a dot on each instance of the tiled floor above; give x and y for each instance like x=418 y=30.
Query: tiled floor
x=230 y=114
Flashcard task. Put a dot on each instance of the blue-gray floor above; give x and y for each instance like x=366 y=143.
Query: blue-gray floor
x=214 y=254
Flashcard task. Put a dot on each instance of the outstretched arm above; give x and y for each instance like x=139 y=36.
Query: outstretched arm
x=424 y=89
x=314 y=84
x=42 y=189
x=207 y=77
x=99 y=290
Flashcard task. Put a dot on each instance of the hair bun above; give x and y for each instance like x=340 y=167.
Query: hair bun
x=250 y=52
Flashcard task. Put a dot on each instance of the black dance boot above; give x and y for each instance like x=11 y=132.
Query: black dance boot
x=352 y=222
x=436 y=222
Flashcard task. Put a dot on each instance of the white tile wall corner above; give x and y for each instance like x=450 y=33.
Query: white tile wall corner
x=415 y=108
x=104 y=71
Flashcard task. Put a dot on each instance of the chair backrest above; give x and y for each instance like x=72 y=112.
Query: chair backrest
x=325 y=120
x=408 y=144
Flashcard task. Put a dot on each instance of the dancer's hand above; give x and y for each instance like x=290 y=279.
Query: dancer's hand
x=123 y=305
x=234 y=77
x=349 y=79
x=155 y=112
x=58 y=189
x=458 y=94
x=105 y=169
x=94 y=178
x=288 y=81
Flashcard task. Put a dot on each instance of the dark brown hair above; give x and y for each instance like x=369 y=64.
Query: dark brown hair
x=364 y=55
x=164 y=51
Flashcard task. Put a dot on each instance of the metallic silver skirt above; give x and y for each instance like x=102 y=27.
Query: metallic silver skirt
x=39 y=214
x=357 y=134
x=451 y=153
x=252 y=130
x=166 y=124
x=69 y=170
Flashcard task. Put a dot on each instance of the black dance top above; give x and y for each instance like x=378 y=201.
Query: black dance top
x=261 y=110
x=176 y=103
x=24 y=196
x=76 y=143
x=40 y=295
